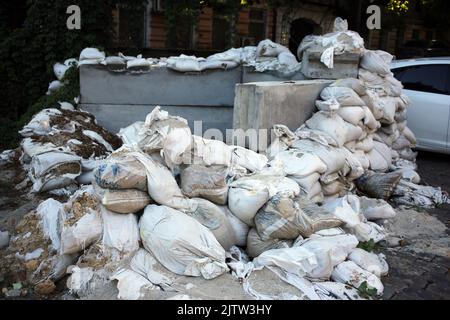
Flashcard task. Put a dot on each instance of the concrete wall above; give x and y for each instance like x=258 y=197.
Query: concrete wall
x=118 y=99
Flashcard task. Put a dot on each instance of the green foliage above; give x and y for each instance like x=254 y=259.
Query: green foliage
x=29 y=51
x=367 y=246
x=366 y=292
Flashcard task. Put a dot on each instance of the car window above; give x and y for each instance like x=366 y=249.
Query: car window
x=427 y=78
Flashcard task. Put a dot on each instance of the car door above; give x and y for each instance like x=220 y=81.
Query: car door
x=429 y=113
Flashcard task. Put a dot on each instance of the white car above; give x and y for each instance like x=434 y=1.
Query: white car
x=427 y=84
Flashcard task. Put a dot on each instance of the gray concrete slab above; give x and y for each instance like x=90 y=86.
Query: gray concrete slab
x=345 y=66
x=250 y=75
x=114 y=117
x=159 y=86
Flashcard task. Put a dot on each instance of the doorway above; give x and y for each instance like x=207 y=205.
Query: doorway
x=299 y=29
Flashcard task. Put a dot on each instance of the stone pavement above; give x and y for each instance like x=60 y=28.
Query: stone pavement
x=423 y=274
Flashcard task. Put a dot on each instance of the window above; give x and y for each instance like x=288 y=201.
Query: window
x=257 y=25
x=427 y=78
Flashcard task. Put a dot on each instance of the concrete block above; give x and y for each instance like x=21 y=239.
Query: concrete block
x=345 y=65
x=159 y=86
x=250 y=75
x=260 y=106
x=114 y=117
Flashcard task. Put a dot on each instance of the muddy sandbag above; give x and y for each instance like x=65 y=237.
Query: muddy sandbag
x=350 y=273
x=371 y=262
x=378 y=185
x=206 y=182
x=248 y=194
x=256 y=246
x=181 y=243
x=121 y=172
x=329 y=252
x=54 y=170
x=216 y=220
x=319 y=218
x=376 y=209
x=123 y=201
x=344 y=95
x=81 y=222
x=282 y=218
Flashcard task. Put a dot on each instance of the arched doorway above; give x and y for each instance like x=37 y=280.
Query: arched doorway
x=299 y=29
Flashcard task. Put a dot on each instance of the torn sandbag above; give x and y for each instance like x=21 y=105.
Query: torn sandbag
x=349 y=273
x=371 y=262
x=181 y=244
x=248 y=194
x=54 y=170
x=206 y=182
x=80 y=223
x=256 y=246
x=329 y=252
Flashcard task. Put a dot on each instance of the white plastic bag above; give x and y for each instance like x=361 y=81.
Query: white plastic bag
x=181 y=244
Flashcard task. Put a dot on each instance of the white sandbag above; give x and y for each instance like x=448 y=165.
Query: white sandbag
x=216 y=220
x=206 y=182
x=401 y=125
x=356 y=169
x=365 y=145
x=268 y=48
x=81 y=222
x=346 y=209
x=372 y=101
x=316 y=135
x=296 y=260
x=328 y=105
x=181 y=244
x=401 y=143
x=350 y=273
x=383 y=150
x=54 y=170
x=410 y=175
x=329 y=252
x=369 y=119
x=121 y=172
x=287 y=58
x=376 y=209
x=60 y=70
x=240 y=229
x=54 y=86
x=352 y=83
x=377 y=161
x=363 y=159
x=315 y=193
x=248 y=194
x=248 y=159
x=50 y=212
x=120 y=232
x=123 y=201
x=331 y=124
x=256 y=246
x=368 y=231
x=353 y=133
x=208 y=153
x=91 y=54
x=344 y=95
x=138 y=62
x=352 y=115
x=298 y=164
x=372 y=80
x=333 y=158
x=389 y=106
x=371 y=262
x=184 y=63
x=376 y=61
x=395 y=87
x=307 y=183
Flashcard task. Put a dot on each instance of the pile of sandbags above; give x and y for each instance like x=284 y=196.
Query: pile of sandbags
x=61 y=147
